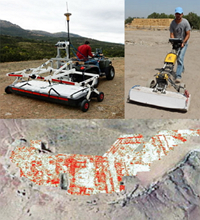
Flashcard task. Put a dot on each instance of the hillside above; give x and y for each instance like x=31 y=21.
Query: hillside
x=8 y=28
x=17 y=44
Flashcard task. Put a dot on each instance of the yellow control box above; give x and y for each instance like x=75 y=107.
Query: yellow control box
x=170 y=58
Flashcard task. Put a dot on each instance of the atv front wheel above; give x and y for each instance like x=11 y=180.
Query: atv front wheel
x=110 y=72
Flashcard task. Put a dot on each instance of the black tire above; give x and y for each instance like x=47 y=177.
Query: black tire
x=110 y=72
x=100 y=97
x=85 y=105
x=8 y=90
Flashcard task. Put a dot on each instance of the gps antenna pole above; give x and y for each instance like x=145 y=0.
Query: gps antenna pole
x=67 y=17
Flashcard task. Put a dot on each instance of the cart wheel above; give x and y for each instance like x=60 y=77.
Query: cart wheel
x=100 y=97
x=110 y=72
x=151 y=83
x=7 y=90
x=84 y=105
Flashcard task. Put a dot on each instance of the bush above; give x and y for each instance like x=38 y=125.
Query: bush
x=19 y=49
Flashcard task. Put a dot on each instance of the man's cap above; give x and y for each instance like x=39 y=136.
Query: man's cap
x=179 y=10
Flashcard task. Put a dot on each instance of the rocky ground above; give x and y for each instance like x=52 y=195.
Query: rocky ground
x=169 y=191
x=13 y=106
x=174 y=196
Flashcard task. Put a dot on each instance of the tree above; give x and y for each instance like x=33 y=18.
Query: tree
x=194 y=20
x=163 y=15
x=154 y=15
x=171 y=16
x=129 y=20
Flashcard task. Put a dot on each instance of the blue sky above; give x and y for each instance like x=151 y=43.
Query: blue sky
x=143 y=8
x=101 y=20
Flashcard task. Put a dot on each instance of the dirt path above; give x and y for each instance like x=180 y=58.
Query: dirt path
x=144 y=53
x=14 y=106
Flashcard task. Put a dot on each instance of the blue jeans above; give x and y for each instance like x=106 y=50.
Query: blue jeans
x=92 y=61
x=180 y=65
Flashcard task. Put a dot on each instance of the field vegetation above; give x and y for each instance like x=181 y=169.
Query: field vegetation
x=14 y=48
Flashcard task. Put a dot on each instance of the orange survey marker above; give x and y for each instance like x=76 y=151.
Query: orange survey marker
x=88 y=174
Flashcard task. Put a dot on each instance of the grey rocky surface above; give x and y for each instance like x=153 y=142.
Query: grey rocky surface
x=158 y=194
x=174 y=196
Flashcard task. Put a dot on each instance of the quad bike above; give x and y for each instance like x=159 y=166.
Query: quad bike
x=97 y=65
x=156 y=93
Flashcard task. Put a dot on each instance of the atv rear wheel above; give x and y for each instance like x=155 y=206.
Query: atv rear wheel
x=110 y=72
x=100 y=97
x=85 y=105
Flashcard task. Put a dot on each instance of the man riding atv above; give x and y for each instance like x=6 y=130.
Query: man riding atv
x=97 y=64
x=84 y=51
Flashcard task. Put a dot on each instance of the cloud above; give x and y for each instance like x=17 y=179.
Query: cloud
x=101 y=20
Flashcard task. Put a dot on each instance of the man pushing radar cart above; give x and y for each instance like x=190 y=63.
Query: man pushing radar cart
x=156 y=93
